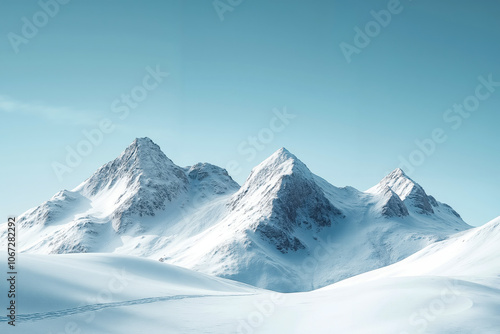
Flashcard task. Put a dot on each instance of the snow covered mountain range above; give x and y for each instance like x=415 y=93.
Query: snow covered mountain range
x=284 y=229
x=452 y=286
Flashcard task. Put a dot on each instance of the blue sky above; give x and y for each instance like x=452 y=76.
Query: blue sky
x=353 y=121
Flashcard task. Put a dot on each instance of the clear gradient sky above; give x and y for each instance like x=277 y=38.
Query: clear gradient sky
x=354 y=120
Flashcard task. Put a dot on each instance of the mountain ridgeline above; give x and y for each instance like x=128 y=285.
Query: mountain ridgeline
x=269 y=232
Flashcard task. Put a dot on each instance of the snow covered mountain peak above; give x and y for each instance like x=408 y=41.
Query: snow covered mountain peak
x=401 y=195
x=141 y=160
x=273 y=173
x=401 y=183
x=397 y=173
x=283 y=152
x=280 y=163
x=280 y=198
x=144 y=156
x=279 y=156
x=141 y=181
x=410 y=192
x=145 y=146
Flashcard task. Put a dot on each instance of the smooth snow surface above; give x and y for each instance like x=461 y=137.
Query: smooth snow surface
x=449 y=287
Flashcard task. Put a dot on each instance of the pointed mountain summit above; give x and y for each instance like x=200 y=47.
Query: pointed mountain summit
x=140 y=182
x=410 y=192
x=141 y=159
x=401 y=195
x=280 y=197
x=273 y=169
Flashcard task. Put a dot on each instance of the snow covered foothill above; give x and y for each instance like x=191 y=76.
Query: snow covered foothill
x=449 y=287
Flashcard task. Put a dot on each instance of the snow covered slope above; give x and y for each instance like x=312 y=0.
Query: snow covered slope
x=472 y=255
x=285 y=229
x=450 y=287
x=76 y=291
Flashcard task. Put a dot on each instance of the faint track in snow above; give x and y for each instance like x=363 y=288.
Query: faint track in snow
x=98 y=307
